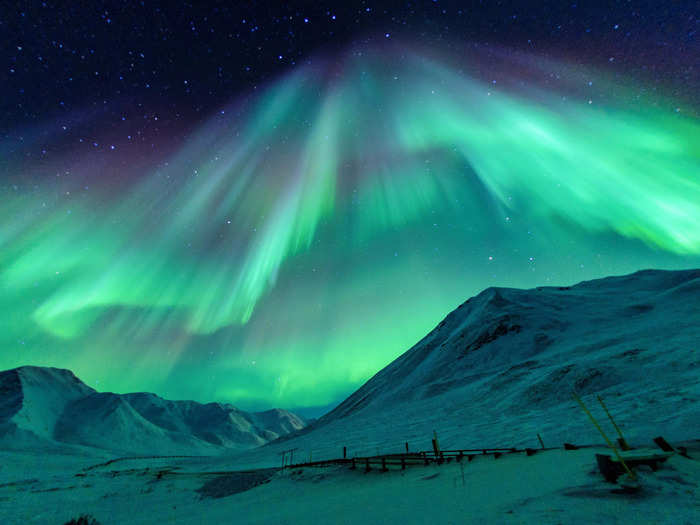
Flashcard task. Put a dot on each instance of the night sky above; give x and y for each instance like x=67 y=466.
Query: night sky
x=267 y=204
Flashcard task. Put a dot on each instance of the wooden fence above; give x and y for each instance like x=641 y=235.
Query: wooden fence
x=402 y=460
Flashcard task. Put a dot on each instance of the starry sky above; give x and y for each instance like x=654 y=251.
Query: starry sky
x=267 y=204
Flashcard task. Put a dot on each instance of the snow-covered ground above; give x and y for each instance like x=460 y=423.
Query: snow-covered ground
x=553 y=486
x=498 y=371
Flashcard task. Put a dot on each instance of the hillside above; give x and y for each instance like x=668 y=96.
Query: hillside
x=589 y=337
x=501 y=368
x=32 y=400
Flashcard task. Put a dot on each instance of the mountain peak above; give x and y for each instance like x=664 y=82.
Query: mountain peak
x=32 y=370
x=509 y=352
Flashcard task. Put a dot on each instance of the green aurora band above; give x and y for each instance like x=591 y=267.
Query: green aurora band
x=295 y=245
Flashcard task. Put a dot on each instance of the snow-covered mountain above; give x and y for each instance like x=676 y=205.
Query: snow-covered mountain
x=33 y=398
x=501 y=368
x=530 y=348
x=497 y=371
x=40 y=406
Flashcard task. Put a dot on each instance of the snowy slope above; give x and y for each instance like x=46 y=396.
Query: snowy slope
x=501 y=368
x=216 y=423
x=278 y=422
x=586 y=336
x=108 y=421
x=40 y=406
x=549 y=488
x=32 y=399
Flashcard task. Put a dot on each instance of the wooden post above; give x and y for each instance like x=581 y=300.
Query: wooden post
x=403 y=463
x=284 y=457
x=345 y=452
x=436 y=448
x=613 y=447
x=621 y=439
x=406 y=447
x=367 y=467
x=436 y=445
x=663 y=444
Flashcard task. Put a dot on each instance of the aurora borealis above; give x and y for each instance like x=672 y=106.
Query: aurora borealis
x=298 y=239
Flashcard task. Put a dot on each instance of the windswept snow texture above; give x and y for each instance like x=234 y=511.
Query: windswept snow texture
x=44 y=406
x=501 y=368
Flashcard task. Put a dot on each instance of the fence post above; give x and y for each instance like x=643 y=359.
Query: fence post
x=621 y=440
x=345 y=452
x=631 y=474
x=436 y=444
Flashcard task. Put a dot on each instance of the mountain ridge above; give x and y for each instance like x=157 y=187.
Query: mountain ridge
x=508 y=311
x=46 y=405
x=501 y=368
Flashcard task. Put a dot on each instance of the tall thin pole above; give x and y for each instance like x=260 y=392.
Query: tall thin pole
x=610 y=444
x=623 y=442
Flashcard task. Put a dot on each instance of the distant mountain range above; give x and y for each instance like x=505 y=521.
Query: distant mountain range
x=51 y=406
